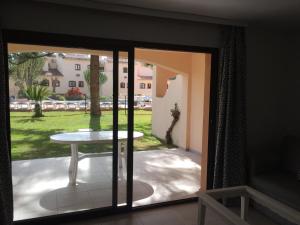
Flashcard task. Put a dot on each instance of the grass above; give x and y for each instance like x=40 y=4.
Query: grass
x=30 y=136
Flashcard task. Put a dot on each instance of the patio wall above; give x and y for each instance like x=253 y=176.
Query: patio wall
x=199 y=93
x=190 y=90
x=161 y=106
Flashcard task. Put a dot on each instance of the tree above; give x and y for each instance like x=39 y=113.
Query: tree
x=25 y=68
x=176 y=115
x=94 y=79
x=21 y=57
x=37 y=93
x=87 y=77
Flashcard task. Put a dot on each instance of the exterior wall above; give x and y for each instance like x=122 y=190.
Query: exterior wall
x=175 y=61
x=191 y=92
x=199 y=101
x=196 y=102
x=162 y=77
x=161 y=115
x=66 y=66
x=140 y=72
x=143 y=92
x=106 y=89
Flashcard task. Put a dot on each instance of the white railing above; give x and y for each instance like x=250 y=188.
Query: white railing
x=210 y=199
x=54 y=105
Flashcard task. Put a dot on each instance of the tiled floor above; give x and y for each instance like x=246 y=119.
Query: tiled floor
x=41 y=185
x=184 y=214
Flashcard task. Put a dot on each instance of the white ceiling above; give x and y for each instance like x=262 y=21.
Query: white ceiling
x=284 y=11
x=273 y=12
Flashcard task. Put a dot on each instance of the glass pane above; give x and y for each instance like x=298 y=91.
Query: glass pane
x=164 y=168
x=61 y=129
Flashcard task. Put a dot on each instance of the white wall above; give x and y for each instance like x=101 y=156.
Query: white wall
x=141 y=70
x=161 y=106
x=66 y=66
x=70 y=74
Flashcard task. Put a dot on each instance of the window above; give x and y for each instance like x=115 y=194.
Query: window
x=122 y=85
x=77 y=67
x=142 y=85
x=44 y=82
x=72 y=83
x=125 y=70
x=101 y=68
x=149 y=85
x=56 y=83
x=80 y=84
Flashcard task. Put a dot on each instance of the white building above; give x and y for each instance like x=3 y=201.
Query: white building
x=64 y=71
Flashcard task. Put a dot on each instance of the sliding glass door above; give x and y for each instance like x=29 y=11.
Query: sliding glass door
x=71 y=129
x=170 y=96
x=77 y=114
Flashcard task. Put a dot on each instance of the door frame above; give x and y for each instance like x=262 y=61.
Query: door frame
x=114 y=45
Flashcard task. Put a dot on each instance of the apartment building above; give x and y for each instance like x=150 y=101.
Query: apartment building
x=64 y=71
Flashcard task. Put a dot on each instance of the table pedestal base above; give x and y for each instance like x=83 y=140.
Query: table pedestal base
x=76 y=157
x=73 y=164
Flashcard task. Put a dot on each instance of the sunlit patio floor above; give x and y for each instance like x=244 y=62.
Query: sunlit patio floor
x=41 y=186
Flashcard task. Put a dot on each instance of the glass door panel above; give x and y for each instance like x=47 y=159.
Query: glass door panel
x=62 y=145
x=167 y=157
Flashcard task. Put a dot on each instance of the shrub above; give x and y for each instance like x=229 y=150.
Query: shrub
x=37 y=93
x=106 y=98
x=74 y=94
x=57 y=97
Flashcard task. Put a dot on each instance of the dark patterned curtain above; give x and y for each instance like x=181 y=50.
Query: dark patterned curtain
x=230 y=143
x=6 y=198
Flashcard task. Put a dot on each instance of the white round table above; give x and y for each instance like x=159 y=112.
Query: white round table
x=91 y=137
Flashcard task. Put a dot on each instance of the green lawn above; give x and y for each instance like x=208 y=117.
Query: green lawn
x=30 y=136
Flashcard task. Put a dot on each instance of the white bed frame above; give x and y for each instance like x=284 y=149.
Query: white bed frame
x=209 y=199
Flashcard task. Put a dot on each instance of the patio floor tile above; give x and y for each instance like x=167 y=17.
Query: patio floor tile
x=41 y=185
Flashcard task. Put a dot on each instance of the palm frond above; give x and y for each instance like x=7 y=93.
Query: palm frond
x=37 y=93
x=87 y=77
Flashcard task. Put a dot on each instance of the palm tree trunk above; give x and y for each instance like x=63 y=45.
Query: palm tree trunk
x=37 y=110
x=95 y=86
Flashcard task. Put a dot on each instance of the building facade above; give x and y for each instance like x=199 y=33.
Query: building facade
x=62 y=72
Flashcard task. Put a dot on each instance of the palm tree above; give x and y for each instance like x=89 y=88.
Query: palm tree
x=37 y=93
x=94 y=86
x=95 y=79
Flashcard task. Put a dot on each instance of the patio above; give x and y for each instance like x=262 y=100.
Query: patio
x=41 y=185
